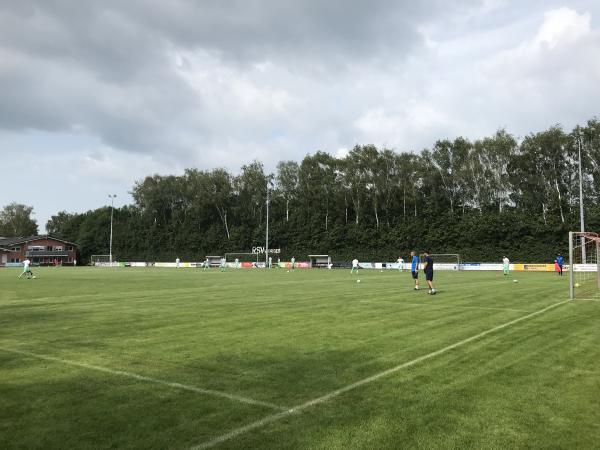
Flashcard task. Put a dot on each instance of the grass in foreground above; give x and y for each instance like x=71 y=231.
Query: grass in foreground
x=283 y=339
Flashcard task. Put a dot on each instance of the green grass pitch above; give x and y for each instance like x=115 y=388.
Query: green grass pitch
x=164 y=358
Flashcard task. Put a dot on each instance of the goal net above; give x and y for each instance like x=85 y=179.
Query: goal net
x=243 y=259
x=99 y=260
x=445 y=261
x=584 y=265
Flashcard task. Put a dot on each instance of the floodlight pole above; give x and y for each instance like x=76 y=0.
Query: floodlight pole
x=267 y=232
x=112 y=199
x=581 y=192
x=581 y=218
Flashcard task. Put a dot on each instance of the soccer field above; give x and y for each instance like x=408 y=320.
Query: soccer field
x=166 y=358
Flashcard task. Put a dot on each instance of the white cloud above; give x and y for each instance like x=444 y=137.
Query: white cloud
x=562 y=26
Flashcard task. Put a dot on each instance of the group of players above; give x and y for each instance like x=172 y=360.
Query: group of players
x=414 y=269
x=558 y=265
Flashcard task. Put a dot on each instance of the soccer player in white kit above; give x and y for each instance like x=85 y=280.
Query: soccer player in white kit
x=354 y=266
x=505 y=265
x=177 y=262
x=26 y=270
x=400 y=264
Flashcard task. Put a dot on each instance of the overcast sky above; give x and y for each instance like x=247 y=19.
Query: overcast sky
x=96 y=95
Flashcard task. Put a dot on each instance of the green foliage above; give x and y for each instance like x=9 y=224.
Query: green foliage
x=482 y=199
x=15 y=220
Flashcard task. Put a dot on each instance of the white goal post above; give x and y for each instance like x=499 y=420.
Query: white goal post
x=241 y=257
x=97 y=260
x=450 y=261
x=584 y=265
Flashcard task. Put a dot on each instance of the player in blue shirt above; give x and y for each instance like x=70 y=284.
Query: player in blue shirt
x=414 y=269
x=428 y=269
x=560 y=260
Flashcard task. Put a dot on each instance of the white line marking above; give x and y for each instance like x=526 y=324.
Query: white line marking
x=444 y=306
x=465 y=307
x=185 y=387
x=297 y=409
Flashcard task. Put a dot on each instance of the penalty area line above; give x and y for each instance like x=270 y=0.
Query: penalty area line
x=324 y=398
x=123 y=373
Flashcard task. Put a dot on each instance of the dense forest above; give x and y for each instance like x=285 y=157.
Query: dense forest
x=482 y=199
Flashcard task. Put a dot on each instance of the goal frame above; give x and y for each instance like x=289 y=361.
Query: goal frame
x=234 y=254
x=454 y=255
x=584 y=235
x=95 y=259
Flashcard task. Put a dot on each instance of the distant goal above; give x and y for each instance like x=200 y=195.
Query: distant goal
x=445 y=261
x=100 y=260
x=242 y=259
x=584 y=265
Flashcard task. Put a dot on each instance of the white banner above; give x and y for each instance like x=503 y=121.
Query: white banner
x=482 y=266
x=362 y=265
x=585 y=268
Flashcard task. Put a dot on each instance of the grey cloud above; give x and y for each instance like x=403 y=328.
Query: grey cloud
x=215 y=82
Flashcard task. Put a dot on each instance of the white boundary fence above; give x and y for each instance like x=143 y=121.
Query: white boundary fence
x=518 y=267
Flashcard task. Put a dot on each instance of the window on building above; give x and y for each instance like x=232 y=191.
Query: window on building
x=49 y=248
x=16 y=249
x=69 y=248
x=58 y=248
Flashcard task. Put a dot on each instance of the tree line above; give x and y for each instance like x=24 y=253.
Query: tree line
x=482 y=198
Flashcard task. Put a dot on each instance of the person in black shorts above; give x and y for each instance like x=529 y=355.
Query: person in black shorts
x=414 y=268
x=428 y=269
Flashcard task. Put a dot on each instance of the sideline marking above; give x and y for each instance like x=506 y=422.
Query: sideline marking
x=465 y=307
x=185 y=387
x=297 y=409
x=444 y=306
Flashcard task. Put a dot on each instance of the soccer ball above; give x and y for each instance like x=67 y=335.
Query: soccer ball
x=358 y=281
x=515 y=281
x=576 y=284
x=34 y=277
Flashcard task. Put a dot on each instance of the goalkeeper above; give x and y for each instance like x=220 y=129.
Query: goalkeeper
x=560 y=260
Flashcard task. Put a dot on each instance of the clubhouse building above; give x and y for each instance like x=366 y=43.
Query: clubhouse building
x=41 y=250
